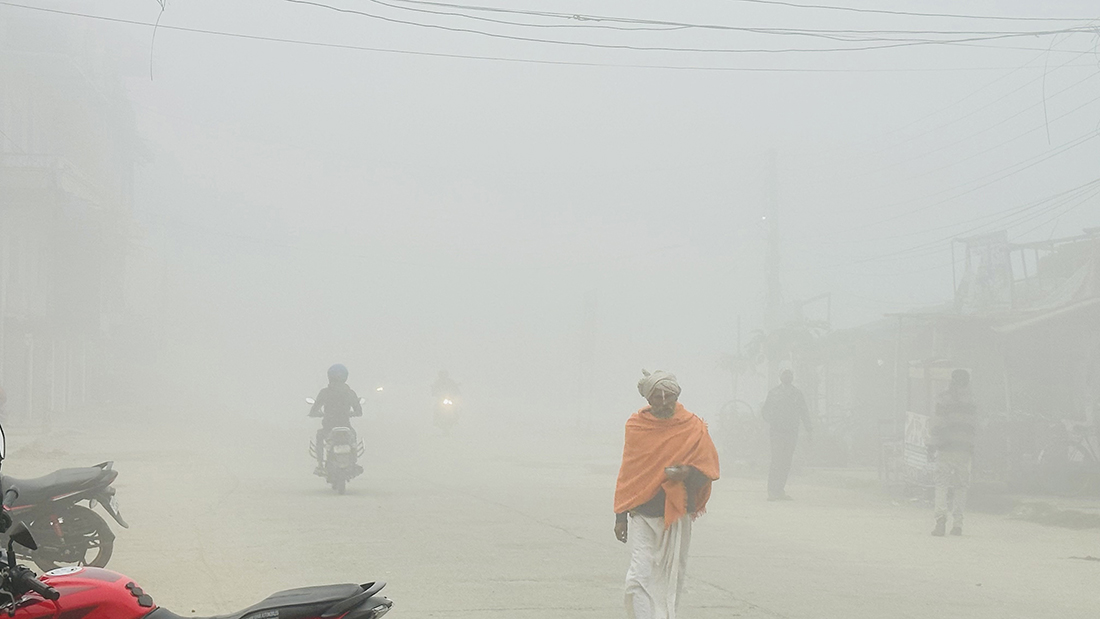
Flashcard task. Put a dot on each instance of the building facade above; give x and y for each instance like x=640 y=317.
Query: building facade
x=67 y=155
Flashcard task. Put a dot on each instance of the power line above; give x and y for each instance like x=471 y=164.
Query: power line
x=1003 y=173
x=1009 y=141
x=1088 y=190
x=699 y=50
x=1058 y=216
x=888 y=147
x=851 y=9
x=13 y=142
x=989 y=128
x=618 y=23
x=993 y=217
x=979 y=109
x=941 y=110
x=1011 y=170
x=1056 y=200
x=502 y=59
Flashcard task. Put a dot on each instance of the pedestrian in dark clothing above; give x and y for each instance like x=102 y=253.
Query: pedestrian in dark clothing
x=784 y=409
x=951 y=447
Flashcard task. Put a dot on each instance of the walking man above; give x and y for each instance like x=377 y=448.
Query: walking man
x=951 y=447
x=784 y=409
x=669 y=462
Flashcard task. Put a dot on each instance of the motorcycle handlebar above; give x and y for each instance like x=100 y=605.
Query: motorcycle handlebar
x=10 y=495
x=31 y=582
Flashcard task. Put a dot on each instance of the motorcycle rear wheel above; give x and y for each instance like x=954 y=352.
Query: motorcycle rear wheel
x=84 y=531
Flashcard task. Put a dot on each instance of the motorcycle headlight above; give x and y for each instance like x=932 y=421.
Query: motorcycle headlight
x=447 y=402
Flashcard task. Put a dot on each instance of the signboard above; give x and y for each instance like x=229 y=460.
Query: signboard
x=917 y=468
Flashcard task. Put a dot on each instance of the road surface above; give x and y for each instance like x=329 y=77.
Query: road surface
x=520 y=527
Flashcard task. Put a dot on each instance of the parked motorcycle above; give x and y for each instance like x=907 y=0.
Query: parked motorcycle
x=95 y=593
x=341 y=451
x=68 y=533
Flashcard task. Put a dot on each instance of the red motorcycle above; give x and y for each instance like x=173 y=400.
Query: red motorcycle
x=96 y=593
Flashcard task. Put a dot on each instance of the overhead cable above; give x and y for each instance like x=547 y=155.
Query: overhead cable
x=852 y=9
x=580 y=20
x=695 y=50
x=500 y=59
x=1074 y=198
x=979 y=132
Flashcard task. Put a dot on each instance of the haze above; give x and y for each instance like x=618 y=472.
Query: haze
x=254 y=191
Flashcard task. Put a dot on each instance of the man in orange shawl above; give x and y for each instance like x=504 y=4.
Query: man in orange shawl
x=669 y=462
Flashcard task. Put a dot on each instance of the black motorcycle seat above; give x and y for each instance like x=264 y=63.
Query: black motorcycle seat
x=57 y=483
x=301 y=603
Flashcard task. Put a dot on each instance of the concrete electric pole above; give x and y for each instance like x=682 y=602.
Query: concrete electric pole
x=774 y=301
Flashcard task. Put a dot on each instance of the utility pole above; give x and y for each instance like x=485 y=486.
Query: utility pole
x=586 y=348
x=738 y=361
x=774 y=288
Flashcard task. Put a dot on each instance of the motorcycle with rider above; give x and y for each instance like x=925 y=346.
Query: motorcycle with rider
x=445 y=394
x=337 y=447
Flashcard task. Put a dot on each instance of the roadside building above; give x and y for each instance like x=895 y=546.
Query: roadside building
x=67 y=155
x=1026 y=322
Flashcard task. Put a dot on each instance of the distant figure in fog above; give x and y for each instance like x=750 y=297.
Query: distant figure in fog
x=444 y=386
x=445 y=410
x=784 y=409
x=335 y=405
x=669 y=462
x=951 y=447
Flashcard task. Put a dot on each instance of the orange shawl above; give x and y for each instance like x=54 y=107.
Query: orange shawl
x=651 y=445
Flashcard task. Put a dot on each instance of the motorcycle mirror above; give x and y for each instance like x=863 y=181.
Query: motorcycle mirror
x=310 y=401
x=3 y=444
x=20 y=534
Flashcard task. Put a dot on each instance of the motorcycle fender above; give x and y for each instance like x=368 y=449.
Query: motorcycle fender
x=104 y=499
x=372 y=608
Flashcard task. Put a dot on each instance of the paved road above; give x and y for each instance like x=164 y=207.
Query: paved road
x=520 y=528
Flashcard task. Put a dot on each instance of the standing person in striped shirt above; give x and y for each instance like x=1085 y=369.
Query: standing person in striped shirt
x=951 y=448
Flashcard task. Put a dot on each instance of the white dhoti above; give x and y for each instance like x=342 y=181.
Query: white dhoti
x=658 y=561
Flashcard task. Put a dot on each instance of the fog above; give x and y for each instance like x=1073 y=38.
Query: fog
x=253 y=191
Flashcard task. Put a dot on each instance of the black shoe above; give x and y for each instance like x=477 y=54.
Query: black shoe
x=941 y=526
x=956 y=530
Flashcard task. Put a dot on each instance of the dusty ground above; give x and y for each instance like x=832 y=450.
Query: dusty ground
x=522 y=530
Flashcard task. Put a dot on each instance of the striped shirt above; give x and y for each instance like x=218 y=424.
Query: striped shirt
x=955 y=421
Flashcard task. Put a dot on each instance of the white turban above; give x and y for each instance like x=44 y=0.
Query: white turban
x=658 y=380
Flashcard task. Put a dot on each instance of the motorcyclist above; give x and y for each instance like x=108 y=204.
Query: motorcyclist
x=335 y=405
x=444 y=386
x=445 y=392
